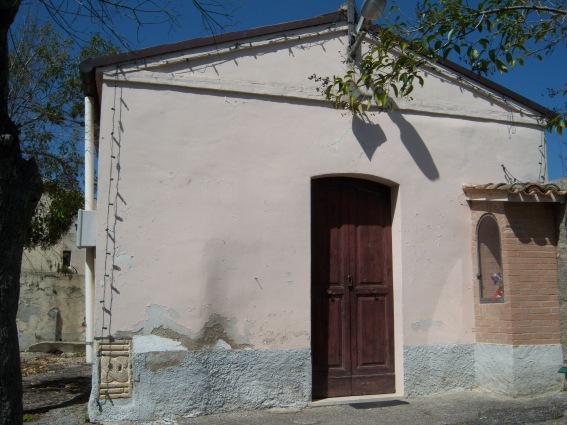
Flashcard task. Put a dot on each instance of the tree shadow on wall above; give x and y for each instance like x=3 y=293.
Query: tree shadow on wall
x=370 y=136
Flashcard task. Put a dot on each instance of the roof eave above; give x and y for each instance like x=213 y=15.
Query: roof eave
x=517 y=192
x=89 y=66
x=471 y=75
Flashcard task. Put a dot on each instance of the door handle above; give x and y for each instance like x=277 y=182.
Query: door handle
x=349 y=278
x=330 y=292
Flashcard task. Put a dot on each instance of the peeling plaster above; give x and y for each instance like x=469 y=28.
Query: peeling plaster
x=159 y=316
x=208 y=338
x=125 y=258
x=153 y=343
x=187 y=384
x=156 y=361
x=425 y=325
x=162 y=323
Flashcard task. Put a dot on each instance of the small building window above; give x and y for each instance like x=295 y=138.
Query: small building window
x=489 y=252
x=66 y=258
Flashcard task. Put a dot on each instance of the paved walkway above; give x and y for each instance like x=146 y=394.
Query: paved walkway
x=464 y=408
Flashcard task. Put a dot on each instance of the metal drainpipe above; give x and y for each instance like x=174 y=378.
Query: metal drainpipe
x=89 y=206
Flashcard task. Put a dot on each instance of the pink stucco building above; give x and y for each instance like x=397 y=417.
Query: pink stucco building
x=258 y=248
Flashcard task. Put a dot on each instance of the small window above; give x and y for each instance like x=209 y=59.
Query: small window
x=490 y=278
x=66 y=258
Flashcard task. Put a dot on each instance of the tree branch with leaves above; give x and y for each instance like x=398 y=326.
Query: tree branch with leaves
x=491 y=36
x=46 y=100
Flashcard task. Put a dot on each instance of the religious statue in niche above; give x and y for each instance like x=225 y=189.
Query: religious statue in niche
x=497 y=279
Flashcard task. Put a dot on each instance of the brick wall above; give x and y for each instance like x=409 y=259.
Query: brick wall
x=529 y=314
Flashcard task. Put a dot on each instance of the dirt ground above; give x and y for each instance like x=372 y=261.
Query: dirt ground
x=56 y=388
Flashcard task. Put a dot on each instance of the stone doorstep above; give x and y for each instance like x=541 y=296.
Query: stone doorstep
x=336 y=401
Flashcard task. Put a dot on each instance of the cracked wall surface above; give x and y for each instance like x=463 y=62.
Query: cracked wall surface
x=170 y=381
x=42 y=292
x=208 y=268
x=223 y=223
x=46 y=284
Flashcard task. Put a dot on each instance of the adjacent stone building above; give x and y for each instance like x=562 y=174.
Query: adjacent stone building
x=52 y=304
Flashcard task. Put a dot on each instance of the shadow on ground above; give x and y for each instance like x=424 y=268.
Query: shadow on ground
x=43 y=396
x=53 y=383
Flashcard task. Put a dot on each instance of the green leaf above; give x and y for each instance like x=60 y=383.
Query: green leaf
x=501 y=65
x=472 y=54
x=450 y=34
x=45 y=79
x=396 y=91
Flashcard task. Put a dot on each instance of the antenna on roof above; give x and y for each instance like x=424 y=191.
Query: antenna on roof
x=371 y=10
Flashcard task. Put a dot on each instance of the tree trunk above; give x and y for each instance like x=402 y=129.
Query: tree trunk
x=20 y=189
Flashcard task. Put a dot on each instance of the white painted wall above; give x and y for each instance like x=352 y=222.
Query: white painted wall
x=214 y=191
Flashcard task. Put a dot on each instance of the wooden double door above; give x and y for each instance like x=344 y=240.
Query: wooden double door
x=351 y=290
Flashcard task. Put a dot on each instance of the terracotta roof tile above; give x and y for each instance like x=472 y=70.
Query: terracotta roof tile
x=532 y=192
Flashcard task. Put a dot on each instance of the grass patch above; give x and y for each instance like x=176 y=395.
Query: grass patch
x=28 y=417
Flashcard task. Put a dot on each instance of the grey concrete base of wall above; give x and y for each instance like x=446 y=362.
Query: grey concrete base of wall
x=518 y=370
x=169 y=381
x=505 y=369
x=435 y=369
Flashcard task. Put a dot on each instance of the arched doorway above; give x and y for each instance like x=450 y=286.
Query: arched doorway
x=352 y=320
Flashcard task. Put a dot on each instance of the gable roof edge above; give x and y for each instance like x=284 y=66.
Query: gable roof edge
x=89 y=66
x=465 y=72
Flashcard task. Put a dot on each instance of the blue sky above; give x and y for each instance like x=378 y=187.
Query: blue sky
x=530 y=81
